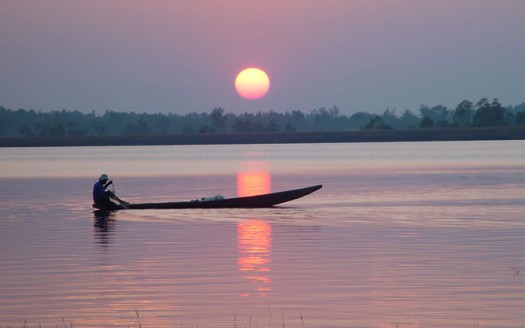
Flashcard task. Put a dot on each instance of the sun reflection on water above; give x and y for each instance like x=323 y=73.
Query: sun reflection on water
x=253 y=183
x=254 y=249
x=254 y=235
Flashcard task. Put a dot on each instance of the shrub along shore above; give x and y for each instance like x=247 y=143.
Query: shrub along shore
x=434 y=134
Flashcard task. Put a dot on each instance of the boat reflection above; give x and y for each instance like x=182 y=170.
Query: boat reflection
x=254 y=255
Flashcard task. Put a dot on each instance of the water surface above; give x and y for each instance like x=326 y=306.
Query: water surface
x=401 y=235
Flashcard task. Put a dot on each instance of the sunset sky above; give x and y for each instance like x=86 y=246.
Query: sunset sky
x=183 y=56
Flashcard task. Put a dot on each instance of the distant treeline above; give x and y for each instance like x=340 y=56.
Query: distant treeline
x=31 y=123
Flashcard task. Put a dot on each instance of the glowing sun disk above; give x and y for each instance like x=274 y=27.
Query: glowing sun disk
x=252 y=83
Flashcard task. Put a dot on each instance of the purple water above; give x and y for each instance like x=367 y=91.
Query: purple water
x=401 y=235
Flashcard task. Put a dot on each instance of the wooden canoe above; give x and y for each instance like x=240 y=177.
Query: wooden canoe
x=265 y=200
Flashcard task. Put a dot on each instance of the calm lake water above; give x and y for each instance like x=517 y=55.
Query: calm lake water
x=401 y=235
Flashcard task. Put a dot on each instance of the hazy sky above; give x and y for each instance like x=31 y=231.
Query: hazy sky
x=183 y=56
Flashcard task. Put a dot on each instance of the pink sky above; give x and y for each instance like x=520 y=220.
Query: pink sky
x=182 y=56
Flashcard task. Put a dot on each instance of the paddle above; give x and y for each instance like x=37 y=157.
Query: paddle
x=114 y=196
x=122 y=202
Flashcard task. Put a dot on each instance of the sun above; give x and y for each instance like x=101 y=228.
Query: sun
x=252 y=83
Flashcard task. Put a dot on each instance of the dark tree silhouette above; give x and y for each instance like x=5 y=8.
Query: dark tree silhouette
x=463 y=114
x=488 y=114
x=28 y=123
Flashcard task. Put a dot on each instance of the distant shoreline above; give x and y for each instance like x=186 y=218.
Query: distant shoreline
x=448 y=134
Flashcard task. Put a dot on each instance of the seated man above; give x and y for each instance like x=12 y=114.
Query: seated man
x=101 y=196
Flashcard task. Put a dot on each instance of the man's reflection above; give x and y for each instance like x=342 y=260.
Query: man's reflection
x=104 y=227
